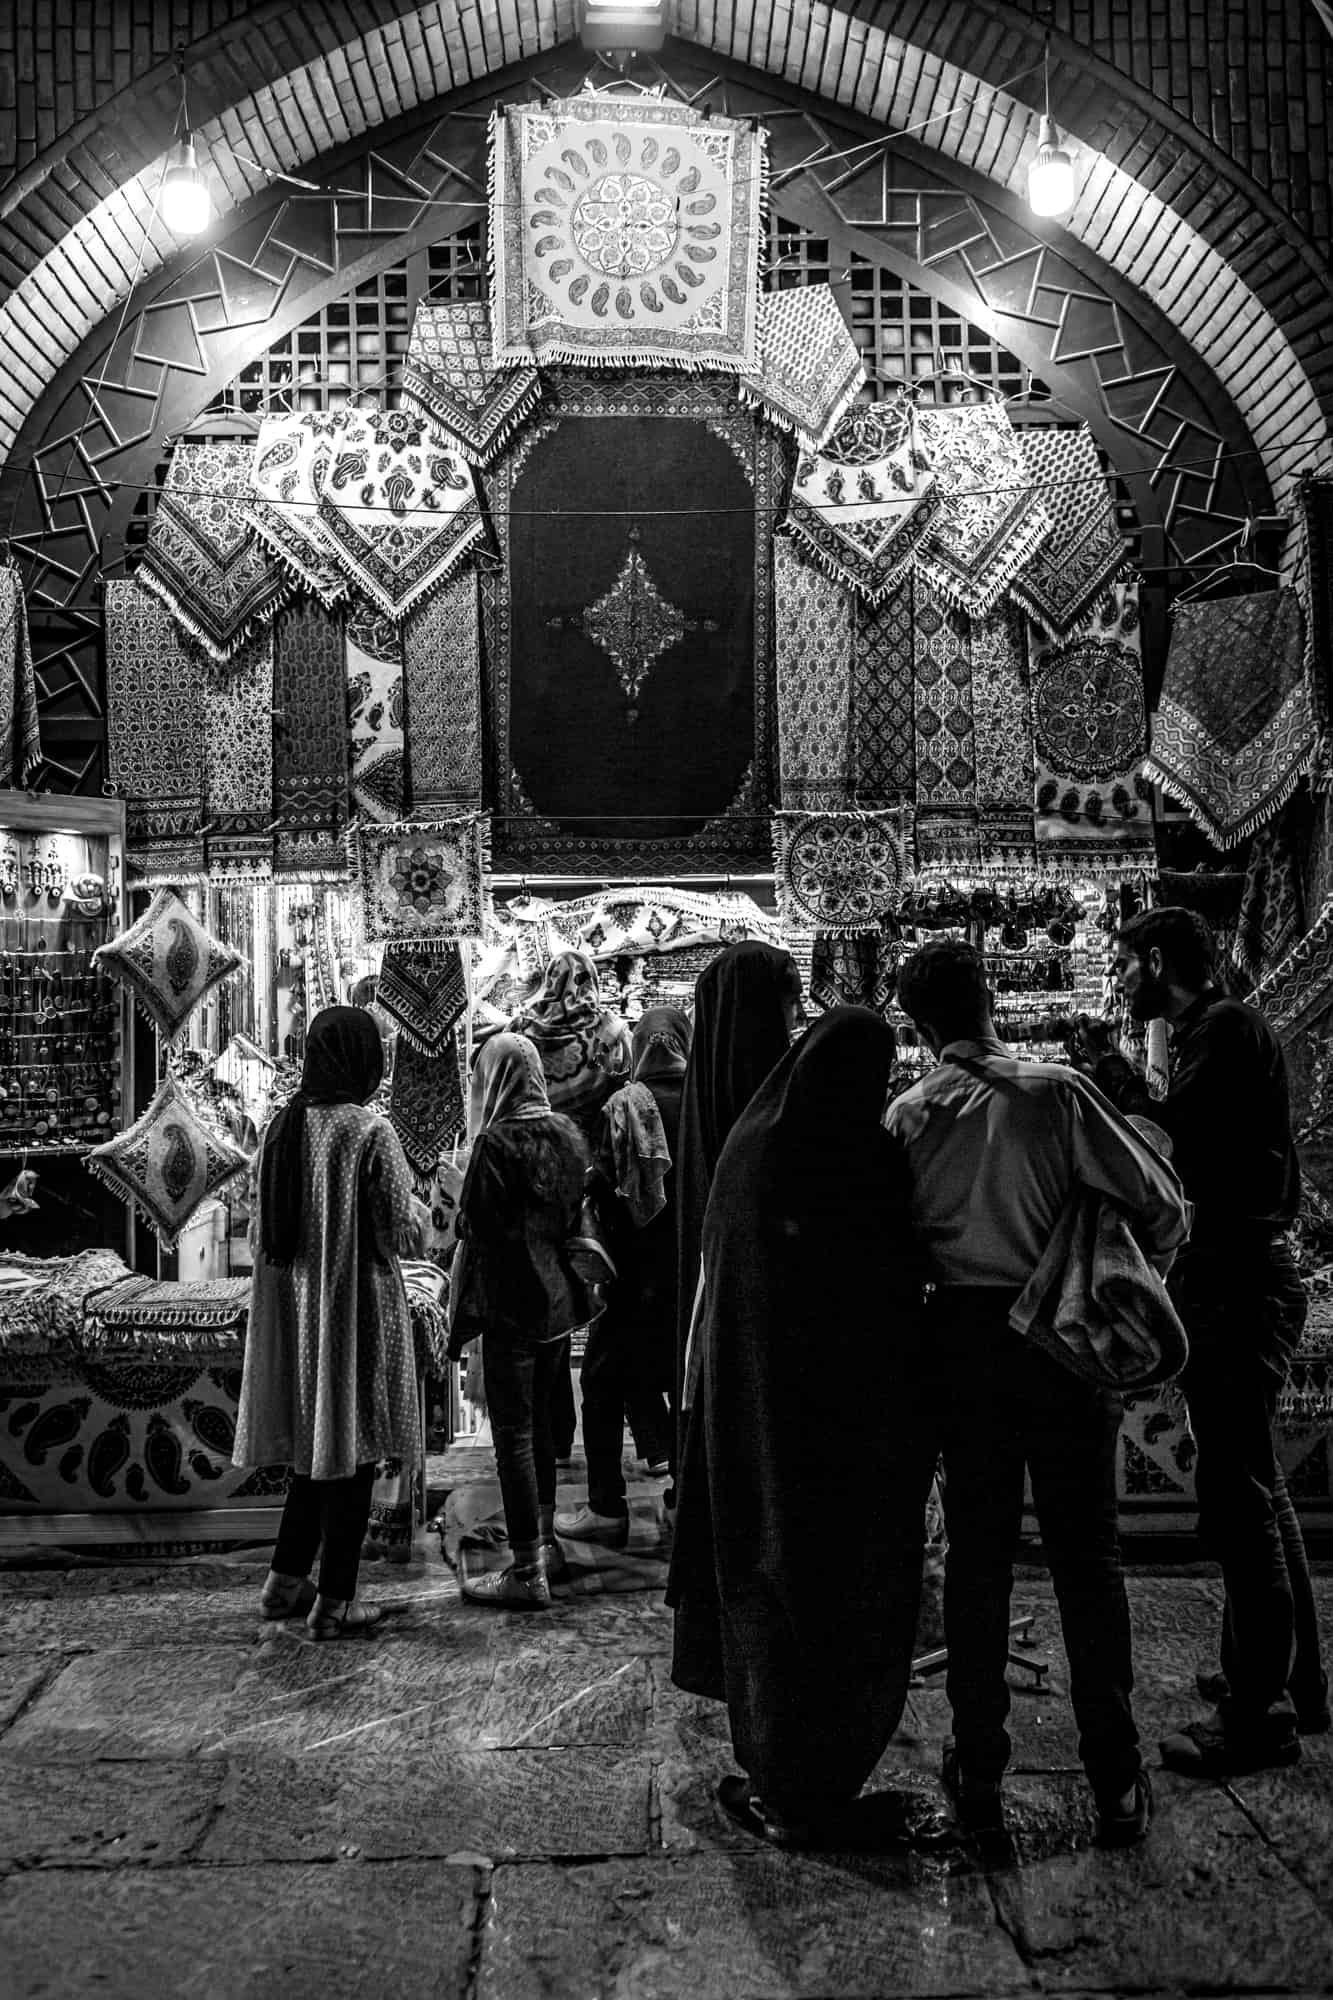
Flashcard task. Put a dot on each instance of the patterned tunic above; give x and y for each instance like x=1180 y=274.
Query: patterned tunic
x=329 y=1380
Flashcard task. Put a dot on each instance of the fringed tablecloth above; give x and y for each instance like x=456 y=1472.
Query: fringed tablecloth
x=450 y=375
x=398 y=510
x=1085 y=550
x=810 y=370
x=420 y=882
x=990 y=522
x=291 y=460
x=202 y=559
x=863 y=504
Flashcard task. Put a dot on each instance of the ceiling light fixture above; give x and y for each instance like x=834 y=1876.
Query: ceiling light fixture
x=1051 y=170
x=185 y=204
x=622 y=26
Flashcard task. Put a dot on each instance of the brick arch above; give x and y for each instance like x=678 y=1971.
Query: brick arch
x=398 y=63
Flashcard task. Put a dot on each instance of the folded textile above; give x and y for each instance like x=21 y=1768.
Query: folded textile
x=310 y=795
x=238 y=763
x=398 y=510
x=1234 y=731
x=419 y=882
x=451 y=377
x=625 y=231
x=377 y=771
x=1093 y=804
x=862 y=504
x=202 y=559
x=442 y=683
x=20 y=737
x=1085 y=550
x=839 y=873
x=810 y=370
x=42 y=1299
x=990 y=522
x=813 y=620
x=947 y=827
x=155 y=733
x=426 y=1102
x=290 y=463
x=424 y=994
x=147 y=1315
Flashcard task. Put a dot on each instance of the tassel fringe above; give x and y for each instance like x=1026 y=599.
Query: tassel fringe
x=220 y=654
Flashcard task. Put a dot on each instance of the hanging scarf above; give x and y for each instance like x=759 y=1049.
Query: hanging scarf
x=991 y=522
x=635 y=1153
x=202 y=560
x=863 y=502
x=450 y=377
x=810 y=370
x=344 y=1064
x=291 y=460
x=507 y=1082
x=399 y=509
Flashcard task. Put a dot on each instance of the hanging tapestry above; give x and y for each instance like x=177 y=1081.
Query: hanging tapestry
x=309 y=743
x=451 y=377
x=155 y=733
x=626 y=231
x=990 y=522
x=839 y=872
x=291 y=461
x=167 y=1162
x=238 y=764
x=419 y=882
x=423 y=993
x=862 y=503
x=1093 y=803
x=813 y=616
x=1002 y=720
x=946 y=749
x=1085 y=550
x=20 y=740
x=398 y=510
x=1234 y=733
x=1316 y=502
x=883 y=743
x=426 y=1102
x=1301 y=984
x=1272 y=903
x=855 y=971
x=442 y=682
x=375 y=715
x=202 y=559
x=810 y=370
x=169 y=962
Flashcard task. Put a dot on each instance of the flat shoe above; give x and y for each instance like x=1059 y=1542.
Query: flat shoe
x=1203 y=1750
x=752 y=1816
x=357 y=1621
x=1313 y=1721
x=504 y=1590
x=293 y=1607
x=1118 y=1827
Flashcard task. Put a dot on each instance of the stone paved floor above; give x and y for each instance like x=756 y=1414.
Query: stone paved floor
x=488 y=1807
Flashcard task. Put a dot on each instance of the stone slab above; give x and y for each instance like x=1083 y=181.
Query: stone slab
x=21 y=1675
x=433 y=1799
x=1293 y=1809
x=762 y=1927
x=121 y=1703
x=569 y=1698
x=104 y=1815
x=404 y=1929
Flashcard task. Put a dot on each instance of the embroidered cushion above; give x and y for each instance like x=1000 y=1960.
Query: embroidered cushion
x=168 y=961
x=167 y=1162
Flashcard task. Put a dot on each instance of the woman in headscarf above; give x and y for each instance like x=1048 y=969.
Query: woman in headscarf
x=747 y=1006
x=630 y=1361
x=797 y=1573
x=329 y=1382
x=518 y=1210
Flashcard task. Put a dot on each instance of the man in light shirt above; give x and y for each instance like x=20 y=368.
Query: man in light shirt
x=995 y=1148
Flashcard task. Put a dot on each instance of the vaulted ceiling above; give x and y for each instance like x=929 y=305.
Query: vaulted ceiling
x=1200 y=141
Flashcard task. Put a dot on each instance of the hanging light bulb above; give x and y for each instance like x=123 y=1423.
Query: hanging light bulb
x=1051 y=170
x=185 y=202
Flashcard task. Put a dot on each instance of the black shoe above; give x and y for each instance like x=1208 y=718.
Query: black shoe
x=978 y=1801
x=1119 y=1825
x=750 y=1813
x=1210 y=1750
x=1312 y=1718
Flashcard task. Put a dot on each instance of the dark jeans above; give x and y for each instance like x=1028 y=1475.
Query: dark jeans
x=521 y=1379
x=990 y=1406
x=564 y=1421
x=328 y=1517
x=1244 y=1309
x=616 y=1380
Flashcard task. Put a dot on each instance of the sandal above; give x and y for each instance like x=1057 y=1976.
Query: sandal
x=354 y=1621
x=293 y=1603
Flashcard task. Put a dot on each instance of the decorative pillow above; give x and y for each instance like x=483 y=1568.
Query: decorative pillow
x=168 y=961
x=167 y=1163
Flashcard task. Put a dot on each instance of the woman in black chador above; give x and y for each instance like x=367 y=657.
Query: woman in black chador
x=796 y=1575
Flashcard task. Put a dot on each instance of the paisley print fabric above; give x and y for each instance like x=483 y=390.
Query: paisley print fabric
x=291 y=461
x=169 y=962
x=377 y=772
x=990 y=522
x=238 y=763
x=1085 y=550
x=814 y=646
x=167 y=1163
x=863 y=502
x=398 y=509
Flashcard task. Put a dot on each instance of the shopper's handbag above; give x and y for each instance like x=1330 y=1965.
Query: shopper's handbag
x=586 y=1249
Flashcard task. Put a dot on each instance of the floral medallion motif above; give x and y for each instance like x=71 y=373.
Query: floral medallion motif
x=839 y=873
x=1088 y=709
x=633 y=623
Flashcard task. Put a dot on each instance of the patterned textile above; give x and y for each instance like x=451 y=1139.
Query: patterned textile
x=1234 y=732
x=1301 y=983
x=42 y=1299
x=1272 y=907
x=810 y=369
x=1002 y=718
x=375 y=715
x=1316 y=503
x=626 y=231
x=20 y=739
x=238 y=764
x=855 y=971
x=419 y=882
x=426 y=1102
x=155 y=733
x=442 y=681
x=883 y=738
x=838 y=873
x=167 y=1162
x=424 y=994
x=814 y=646
x=990 y=523
x=450 y=377
x=946 y=755
x=1093 y=807
x=145 y=1315
x=309 y=743
x=399 y=509
x=1085 y=550
x=168 y=961
x=291 y=461
x=201 y=558
x=862 y=504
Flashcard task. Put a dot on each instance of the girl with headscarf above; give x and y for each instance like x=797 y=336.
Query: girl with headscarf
x=583 y=1046
x=329 y=1380
x=630 y=1361
x=520 y=1205
x=796 y=1573
x=747 y=1006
